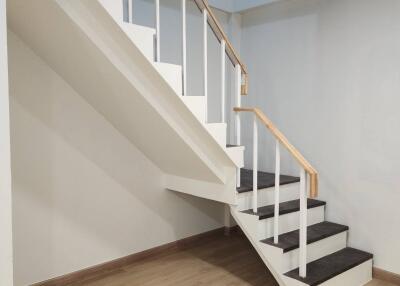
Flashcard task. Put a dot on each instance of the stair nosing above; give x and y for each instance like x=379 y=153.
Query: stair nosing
x=343 y=228
x=368 y=256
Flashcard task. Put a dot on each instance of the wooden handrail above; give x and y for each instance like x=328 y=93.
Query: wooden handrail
x=285 y=142
x=230 y=51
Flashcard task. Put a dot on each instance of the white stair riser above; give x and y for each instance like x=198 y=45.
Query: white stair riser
x=261 y=229
x=197 y=106
x=142 y=37
x=172 y=74
x=289 y=222
x=237 y=155
x=356 y=276
x=316 y=250
x=218 y=131
x=266 y=196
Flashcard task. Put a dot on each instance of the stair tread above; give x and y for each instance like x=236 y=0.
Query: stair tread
x=284 y=208
x=290 y=240
x=327 y=267
x=264 y=180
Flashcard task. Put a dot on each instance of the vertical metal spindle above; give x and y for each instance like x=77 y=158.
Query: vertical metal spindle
x=130 y=11
x=158 y=56
x=184 y=80
x=255 y=164
x=237 y=91
x=223 y=67
x=276 y=192
x=205 y=59
x=303 y=225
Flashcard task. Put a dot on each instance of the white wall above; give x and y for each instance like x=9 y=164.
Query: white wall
x=83 y=194
x=6 y=264
x=327 y=72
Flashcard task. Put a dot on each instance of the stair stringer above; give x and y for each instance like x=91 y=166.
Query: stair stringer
x=256 y=230
x=255 y=242
x=115 y=75
x=213 y=191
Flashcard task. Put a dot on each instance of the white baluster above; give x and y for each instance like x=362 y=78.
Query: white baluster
x=223 y=67
x=303 y=225
x=276 y=193
x=158 y=56
x=205 y=65
x=184 y=47
x=238 y=83
x=255 y=164
x=130 y=11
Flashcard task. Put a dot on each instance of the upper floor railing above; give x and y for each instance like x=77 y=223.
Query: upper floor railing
x=226 y=48
x=222 y=37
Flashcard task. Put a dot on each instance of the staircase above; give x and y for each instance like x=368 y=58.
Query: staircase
x=329 y=260
x=279 y=214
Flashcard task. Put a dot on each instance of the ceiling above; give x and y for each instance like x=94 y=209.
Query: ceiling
x=236 y=6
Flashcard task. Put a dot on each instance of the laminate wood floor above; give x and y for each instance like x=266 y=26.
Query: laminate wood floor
x=227 y=260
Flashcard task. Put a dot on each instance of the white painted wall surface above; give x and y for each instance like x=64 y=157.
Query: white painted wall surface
x=327 y=73
x=6 y=255
x=83 y=193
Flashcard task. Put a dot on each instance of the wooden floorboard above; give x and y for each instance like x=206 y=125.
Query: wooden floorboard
x=227 y=260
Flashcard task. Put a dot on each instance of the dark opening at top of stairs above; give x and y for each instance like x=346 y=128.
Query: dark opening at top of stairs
x=264 y=180
x=290 y=240
x=327 y=267
x=284 y=208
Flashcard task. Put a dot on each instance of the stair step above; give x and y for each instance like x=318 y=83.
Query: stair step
x=235 y=152
x=264 y=180
x=284 y=208
x=325 y=268
x=290 y=240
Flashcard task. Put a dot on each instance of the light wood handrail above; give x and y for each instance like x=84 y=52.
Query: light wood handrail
x=285 y=142
x=220 y=34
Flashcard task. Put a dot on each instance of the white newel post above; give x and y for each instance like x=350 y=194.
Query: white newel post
x=205 y=65
x=158 y=56
x=303 y=225
x=276 y=192
x=223 y=68
x=6 y=248
x=184 y=47
x=238 y=83
x=255 y=164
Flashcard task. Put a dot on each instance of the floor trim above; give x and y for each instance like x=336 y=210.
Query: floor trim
x=387 y=276
x=111 y=266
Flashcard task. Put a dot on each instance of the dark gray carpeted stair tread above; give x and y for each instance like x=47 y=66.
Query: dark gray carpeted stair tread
x=327 y=267
x=284 y=208
x=264 y=180
x=290 y=240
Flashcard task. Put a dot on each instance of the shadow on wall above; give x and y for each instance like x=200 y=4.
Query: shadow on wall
x=83 y=194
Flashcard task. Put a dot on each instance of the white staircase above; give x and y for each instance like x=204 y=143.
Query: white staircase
x=287 y=230
x=330 y=239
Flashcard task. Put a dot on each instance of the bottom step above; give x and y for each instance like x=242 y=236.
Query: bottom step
x=330 y=266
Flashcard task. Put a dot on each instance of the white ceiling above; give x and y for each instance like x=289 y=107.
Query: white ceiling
x=234 y=6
